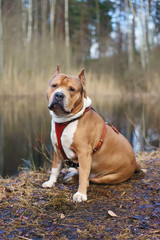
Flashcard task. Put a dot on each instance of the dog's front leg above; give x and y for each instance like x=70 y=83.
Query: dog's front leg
x=56 y=168
x=84 y=172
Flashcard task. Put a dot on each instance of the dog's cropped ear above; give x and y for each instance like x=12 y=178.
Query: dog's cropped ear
x=82 y=77
x=83 y=81
x=58 y=68
x=56 y=72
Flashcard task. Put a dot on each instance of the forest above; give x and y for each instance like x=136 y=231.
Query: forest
x=118 y=44
x=116 y=41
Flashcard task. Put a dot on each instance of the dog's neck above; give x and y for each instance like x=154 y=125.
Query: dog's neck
x=69 y=117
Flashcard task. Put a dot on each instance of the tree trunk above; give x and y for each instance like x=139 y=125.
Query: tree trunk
x=119 y=29
x=98 y=26
x=80 y=50
x=44 y=18
x=1 y=39
x=147 y=22
x=129 y=33
x=24 y=21
x=67 y=39
x=35 y=18
x=29 y=34
x=52 y=17
x=144 y=49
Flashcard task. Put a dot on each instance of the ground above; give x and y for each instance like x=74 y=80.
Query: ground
x=129 y=210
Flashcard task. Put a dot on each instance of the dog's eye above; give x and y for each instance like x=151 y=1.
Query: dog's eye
x=71 y=89
x=54 y=85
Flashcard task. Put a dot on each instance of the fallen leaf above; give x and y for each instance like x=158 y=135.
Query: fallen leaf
x=112 y=214
x=62 y=216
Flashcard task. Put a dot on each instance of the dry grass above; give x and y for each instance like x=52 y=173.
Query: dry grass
x=15 y=83
x=30 y=212
x=28 y=70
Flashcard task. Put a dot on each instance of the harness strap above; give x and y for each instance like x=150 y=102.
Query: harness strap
x=115 y=129
x=59 y=128
x=101 y=139
x=104 y=131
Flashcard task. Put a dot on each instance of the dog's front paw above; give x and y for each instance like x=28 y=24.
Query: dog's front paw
x=48 y=184
x=79 y=197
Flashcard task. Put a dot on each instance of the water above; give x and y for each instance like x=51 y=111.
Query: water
x=26 y=121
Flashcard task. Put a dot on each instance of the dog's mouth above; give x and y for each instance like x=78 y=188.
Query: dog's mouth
x=57 y=108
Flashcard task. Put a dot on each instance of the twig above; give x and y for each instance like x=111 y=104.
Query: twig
x=24 y=238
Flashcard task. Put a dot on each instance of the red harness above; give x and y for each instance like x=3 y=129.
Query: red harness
x=59 y=128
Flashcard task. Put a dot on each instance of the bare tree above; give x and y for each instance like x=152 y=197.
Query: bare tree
x=119 y=28
x=44 y=18
x=129 y=35
x=147 y=19
x=24 y=21
x=35 y=17
x=52 y=17
x=133 y=9
x=98 y=24
x=1 y=39
x=29 y=34
x=144 y=48
x=67 y=39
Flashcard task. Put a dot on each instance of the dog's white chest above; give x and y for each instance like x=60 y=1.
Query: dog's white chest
x=66 y=138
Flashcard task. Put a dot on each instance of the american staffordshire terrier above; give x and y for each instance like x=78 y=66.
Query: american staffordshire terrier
x=79 y=134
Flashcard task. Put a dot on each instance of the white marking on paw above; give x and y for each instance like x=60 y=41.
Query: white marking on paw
x=53 y=177
x=79 y=197
x=48 y=184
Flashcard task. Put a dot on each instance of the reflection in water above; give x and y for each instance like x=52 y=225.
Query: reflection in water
x=21 y=118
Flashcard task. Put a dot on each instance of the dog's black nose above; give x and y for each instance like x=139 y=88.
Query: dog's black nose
x=58 y=96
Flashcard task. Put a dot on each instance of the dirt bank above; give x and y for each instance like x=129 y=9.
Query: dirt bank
x=27 y=211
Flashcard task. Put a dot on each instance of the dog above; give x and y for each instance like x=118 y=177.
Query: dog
x=80 y=135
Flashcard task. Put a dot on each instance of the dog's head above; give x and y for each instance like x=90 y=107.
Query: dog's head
x=66 y=93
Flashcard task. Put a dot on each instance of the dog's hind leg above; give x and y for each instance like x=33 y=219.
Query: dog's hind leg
x=138 y=167
x=113 y=178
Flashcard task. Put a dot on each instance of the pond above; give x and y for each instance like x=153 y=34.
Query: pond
x=25 y=122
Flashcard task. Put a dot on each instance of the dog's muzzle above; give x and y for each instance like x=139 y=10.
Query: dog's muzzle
x=56 y=101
